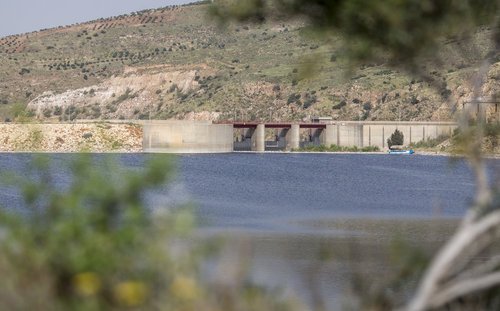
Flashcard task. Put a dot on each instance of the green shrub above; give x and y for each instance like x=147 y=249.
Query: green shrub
x=24 y=71
x=112 y=108
x=340 y=105
x=430 y=143
x=309 y=100
x=69 y=110
x=335 y=148
x=293 y=98
x=34 y=141
x=370 y=149
x=89 y=247
x=414 y=100
x=96 y=112
x=397 y=138
x=47 y=113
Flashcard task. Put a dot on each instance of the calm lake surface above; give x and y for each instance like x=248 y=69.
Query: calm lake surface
x=304 y=222
x=271 y=192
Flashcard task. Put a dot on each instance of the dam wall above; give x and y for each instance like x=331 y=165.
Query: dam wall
x=204 y=136
x=342 y=133
x=362 y=134
x=187 y=137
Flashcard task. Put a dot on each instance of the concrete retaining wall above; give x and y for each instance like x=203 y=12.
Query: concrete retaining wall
x=187 y=137
x=362 y=134
x=348 y=133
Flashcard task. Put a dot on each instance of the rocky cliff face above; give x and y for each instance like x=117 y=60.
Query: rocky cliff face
x=133 y=95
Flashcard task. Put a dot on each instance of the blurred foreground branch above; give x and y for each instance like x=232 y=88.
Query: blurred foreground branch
x=453 y=273
x=404 y=33
x=448 y=277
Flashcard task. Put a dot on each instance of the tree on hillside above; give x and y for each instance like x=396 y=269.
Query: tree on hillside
x=402 y=34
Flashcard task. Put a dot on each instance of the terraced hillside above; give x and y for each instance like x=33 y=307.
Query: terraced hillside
x=175 y=62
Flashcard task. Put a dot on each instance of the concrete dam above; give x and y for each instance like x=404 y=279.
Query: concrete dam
x=209 y=137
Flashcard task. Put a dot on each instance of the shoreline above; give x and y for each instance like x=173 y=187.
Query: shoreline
x=426 y=153
x=419 y=153
x=136 y=151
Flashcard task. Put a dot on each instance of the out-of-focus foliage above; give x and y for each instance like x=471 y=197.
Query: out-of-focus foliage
x=402 y=34
x=387 y=293
x=465 y=140
x=399 y=31
x=253 y=10
x=93 y=244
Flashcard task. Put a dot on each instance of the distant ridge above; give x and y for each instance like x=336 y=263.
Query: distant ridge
x=157 y=15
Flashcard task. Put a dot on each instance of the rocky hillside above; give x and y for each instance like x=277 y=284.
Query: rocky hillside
x=70 y=137
x=176 y=63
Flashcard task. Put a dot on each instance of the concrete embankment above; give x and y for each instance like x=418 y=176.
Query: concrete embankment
x=187 y=137
x=376 y=133
x=70 y=137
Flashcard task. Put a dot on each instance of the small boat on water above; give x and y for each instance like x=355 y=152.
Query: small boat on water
x=397 y=149
x=401 y=152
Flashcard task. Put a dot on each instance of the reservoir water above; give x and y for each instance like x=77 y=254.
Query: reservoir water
x=304 y=222
x=271 y=192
